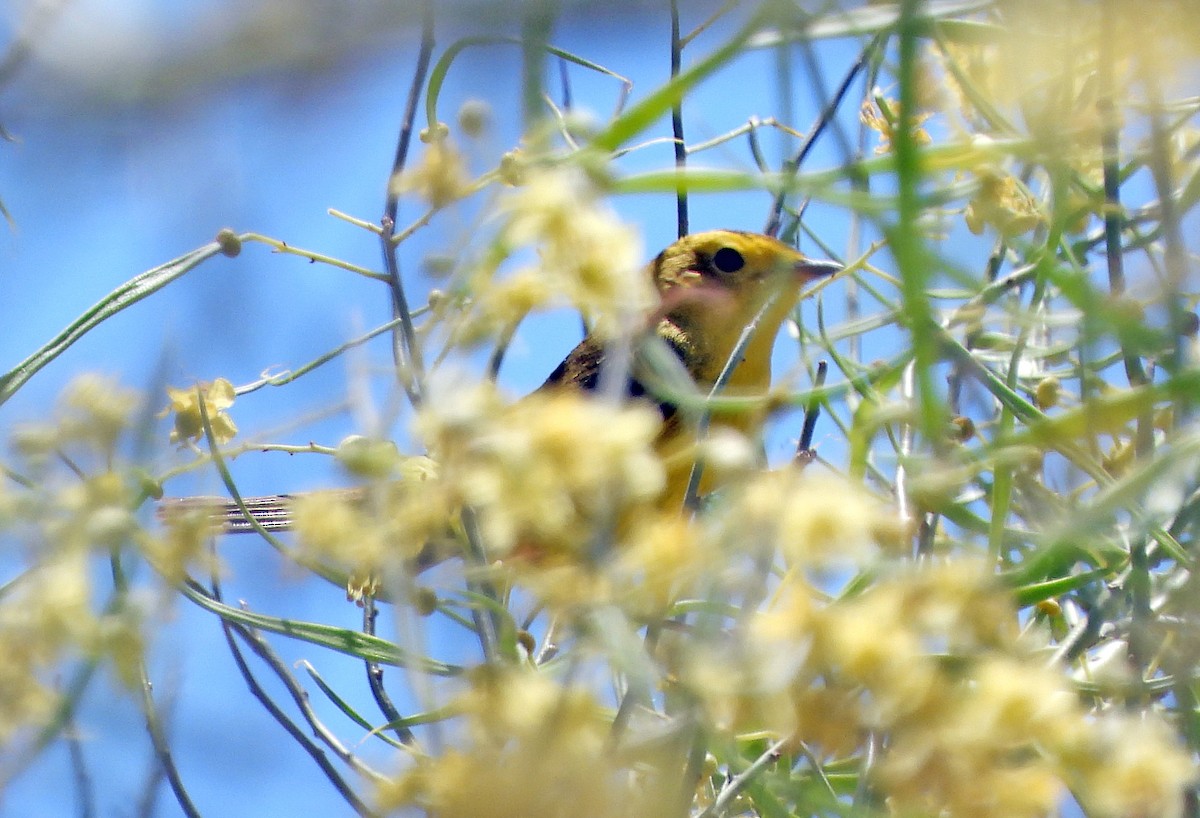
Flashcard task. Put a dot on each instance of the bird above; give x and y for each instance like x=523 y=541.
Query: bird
x=712 y=286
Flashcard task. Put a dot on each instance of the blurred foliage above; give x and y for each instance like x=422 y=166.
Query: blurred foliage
x=981 y=604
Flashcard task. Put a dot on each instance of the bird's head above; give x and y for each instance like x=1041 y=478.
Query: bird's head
x=712 y=286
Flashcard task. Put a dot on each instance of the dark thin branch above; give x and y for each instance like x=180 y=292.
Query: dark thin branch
x=155 y=775
x=496 y=359
x=1137 y=583
x=681 y=201
x=154 y=727
x=256 y=644
x=564 y=79
x=695 y=768
x=162 y=749
x=375 y=678
x=1175 y=257
x=804 y=452
x=299 y=696
x=1113 y=218
x=487 y=623
x=147 y=806
x=409 y=367
x=792 y=166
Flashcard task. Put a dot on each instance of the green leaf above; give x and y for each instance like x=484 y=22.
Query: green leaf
x=128 y=294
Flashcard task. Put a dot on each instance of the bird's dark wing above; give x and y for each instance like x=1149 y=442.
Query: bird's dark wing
x=581 y=370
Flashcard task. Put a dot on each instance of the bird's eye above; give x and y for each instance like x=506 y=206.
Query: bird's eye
x=728 y=260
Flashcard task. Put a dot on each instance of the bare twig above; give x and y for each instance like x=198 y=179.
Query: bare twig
x=162 y=749
x=734 y=786
x=804 y=452
x=409 y=366
x=262 y=649
x=792 y=166
x=375 y=677
x=681 y=201
x=299 y=696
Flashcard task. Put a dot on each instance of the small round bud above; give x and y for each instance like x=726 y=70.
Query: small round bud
x=231 y=245
x=1047 y=393
x=367 y=457
x=474 y=117
x=148 y=485
x=425 y=601
x=438 y=266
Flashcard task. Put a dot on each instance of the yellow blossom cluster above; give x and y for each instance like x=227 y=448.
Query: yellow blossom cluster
x=586 y=254
x=1014 y=84
x=535 y=748
x=929 y=660
x=48 y=620
x=392 y=518
x=586 y=257
x=816 y=522
x=547 y=474
x=64 y=500
x=1003 y=203
x=541 y=500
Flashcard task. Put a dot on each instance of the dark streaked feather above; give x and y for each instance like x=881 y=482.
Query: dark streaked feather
x=581 y=370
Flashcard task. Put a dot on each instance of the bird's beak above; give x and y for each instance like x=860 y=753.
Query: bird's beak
x=811 y=268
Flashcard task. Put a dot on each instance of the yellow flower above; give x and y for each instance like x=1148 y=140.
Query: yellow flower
x=818 y=522
x=216 y=397
x=665 y=557
x=440 y=179
x=883 y=117
x=1131 y=765
x=536 y=749
x=548 y=472
x=500 y=303
x=1001 y=202
x=96 y=409
x=182 y=545
x=366 y=529
x=45 y=617
x=586 y=254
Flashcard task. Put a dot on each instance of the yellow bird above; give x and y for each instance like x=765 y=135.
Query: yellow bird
x=712 y=287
